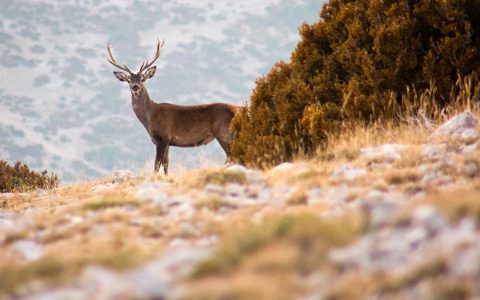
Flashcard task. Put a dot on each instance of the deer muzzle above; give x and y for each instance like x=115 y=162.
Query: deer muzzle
x=135 y=88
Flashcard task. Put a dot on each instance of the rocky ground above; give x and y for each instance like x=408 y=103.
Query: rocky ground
x=392 y=221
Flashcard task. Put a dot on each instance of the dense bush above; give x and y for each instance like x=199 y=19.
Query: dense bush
x=19 y=178
x=355 y=65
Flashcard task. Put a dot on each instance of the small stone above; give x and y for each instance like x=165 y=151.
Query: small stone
x=28 y=250
x=471 y=169
x=6 y=224
x=470 y=135
x=387 y=152
x=235 y=189
x=434 y=151
x=152 y=191
x=470 y=149
x=215 y=189
x=466 y=262
x=430 y=218
x=76 y=220
x=236 y=168
x=379 y=212
x=283 y=167
x=348 y=172
x=121 y=176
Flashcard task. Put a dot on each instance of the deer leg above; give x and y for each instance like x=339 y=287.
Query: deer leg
x=161 y=148
x=226 y=147
x=165 y=159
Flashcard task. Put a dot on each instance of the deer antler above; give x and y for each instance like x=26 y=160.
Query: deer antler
x=147 y=64
x=114 y=62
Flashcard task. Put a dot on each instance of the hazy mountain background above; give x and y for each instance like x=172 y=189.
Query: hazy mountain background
x=61 y=108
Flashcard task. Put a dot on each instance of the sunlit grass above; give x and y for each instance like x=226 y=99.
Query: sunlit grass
x=99 y=204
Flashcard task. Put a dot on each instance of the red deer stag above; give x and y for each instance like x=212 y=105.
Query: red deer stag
x=175 y=125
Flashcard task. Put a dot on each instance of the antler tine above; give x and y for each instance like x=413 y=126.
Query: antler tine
x=147 y=64
x=112 y=60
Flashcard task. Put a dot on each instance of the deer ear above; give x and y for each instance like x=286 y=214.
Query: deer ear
x=150 y=72
x=121 y=76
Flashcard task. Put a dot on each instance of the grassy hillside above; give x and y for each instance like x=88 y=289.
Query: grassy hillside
x=387 y=212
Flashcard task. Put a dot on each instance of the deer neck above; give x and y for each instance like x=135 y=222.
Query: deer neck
x=142 y=106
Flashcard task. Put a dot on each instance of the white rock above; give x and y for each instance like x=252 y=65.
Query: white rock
x=28 y=250
x=152 y=191
x=235 y=189
x=470 y=135
x=379 y=211
x=456 y=125
x=77 y=220
x=214 y=189
x=471 y=169
x=6 y=224
x=429 y=217
x=6 y=220
x=236 y=168
x=434 y=151
x=105 y=284
x=348 y=172
x=283 y=167
x=103 y=187
x=121 y=175
x=470 y=149
x=466 y=262
x=389 y=152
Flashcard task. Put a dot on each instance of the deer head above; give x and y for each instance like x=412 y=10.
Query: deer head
x=135 y=80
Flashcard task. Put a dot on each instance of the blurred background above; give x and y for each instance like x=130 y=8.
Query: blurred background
x=61 y=108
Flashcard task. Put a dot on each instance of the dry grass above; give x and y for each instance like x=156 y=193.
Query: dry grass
x=282 y=248
x=297 y=198
x=99 y=204
x=361 y=285
x=458 y=203
x=78 y=227
x=345 y=146
x=55 y=268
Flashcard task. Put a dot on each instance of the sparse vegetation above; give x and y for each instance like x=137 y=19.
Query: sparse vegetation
x=213 y=203
x=223 y=177
x=56 y=269
x=99 y=204
x=458 y=203
x=19 y=178
x=297 y=198
x=283 y=248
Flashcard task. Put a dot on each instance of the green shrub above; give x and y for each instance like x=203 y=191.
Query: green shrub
x=19 y=178
x=364 y=60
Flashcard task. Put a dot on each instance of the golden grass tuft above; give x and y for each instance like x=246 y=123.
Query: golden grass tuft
x=213 y=203
x=99 y=204
x=458 y=203
x=297 y=198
